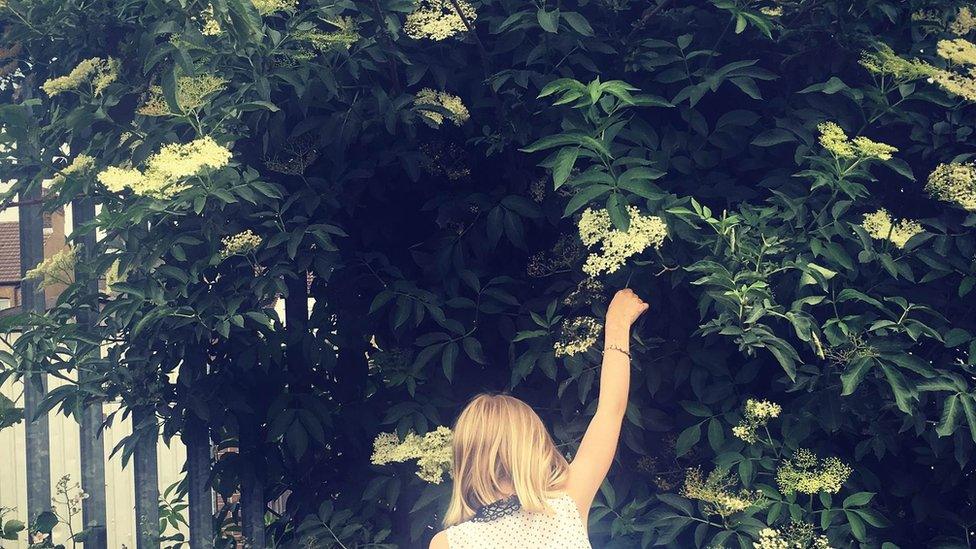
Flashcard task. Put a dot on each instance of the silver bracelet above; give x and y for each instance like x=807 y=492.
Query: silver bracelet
x=615 y=348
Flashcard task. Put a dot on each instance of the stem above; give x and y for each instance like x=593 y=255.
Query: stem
x=715 y=46
x=391 y=62
x=481 y=46
x=645 y=17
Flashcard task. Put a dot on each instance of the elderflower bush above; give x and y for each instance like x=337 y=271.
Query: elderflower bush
x=463 y=260
x=769 y=272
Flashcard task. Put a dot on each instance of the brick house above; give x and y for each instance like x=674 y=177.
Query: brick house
x=10 y=279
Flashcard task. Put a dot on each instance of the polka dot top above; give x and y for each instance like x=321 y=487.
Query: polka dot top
x=505 y=525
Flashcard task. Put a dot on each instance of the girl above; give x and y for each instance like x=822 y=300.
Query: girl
x=512 y=487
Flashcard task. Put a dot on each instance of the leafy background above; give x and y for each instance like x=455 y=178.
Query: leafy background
x=443 y=259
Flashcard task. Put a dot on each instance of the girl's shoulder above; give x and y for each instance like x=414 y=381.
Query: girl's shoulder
x=439 y=541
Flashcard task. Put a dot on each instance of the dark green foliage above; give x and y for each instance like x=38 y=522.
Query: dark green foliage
x=449 y=254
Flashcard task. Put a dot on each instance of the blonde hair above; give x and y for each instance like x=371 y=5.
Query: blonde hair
x=500 y=442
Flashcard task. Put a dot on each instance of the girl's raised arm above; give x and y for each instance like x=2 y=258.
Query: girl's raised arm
x=599 y=445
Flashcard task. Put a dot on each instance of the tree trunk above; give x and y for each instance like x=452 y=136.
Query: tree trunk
x=146 y=476
x=32 y=300
x=253 y=504
x=92 y=446
x=296 y=328
x=196 y=436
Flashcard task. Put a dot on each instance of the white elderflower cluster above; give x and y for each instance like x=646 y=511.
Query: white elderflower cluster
x=881 y=226
x=577 y=335
x=114 y=275
x=718 y=492
x=770 y=538
x=267 y=7
x=756 y=415
x=954 y=182
x=884 y=61
x=192 y=93
x=961 y=52
x=97 y=72
x=427 y=97
x=964 y=22
x=835 y=140
x=79 y=166
x=318 y=41
x=57 y=269
x=167 y=171
x=432 y=451
x=209 y=25
x=438 y=19
x=595 y=228
x=241 y=243
x=807 y=474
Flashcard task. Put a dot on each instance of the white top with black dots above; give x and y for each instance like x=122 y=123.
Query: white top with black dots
x=524 y=530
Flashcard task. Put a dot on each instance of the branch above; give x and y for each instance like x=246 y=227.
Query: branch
x=481 y=45
x=645 y=17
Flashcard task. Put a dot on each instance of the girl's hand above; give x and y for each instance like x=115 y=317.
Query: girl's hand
x=625 y=308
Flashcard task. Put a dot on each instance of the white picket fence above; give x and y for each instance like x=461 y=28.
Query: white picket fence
x=120 y=502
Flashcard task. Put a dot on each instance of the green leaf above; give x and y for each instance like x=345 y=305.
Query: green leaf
x=773 y=137
x=857 y=525
x=472 y=347
x=956 y=337
x=688 y=438
x=969 y=408
x=859 y=499
x=855 y=374
x=696 y=409
x=950 y=416
x=448 y=359
x=716 y=434
x=45 y=522
x=563 y=165
x=584 y=197
x=618 y=212
x=169 y=85
x=548 y=20
x=899 y=386
x=901 y=168
x=561 y=85
x=578 y=23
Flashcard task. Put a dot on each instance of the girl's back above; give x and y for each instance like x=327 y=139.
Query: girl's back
x=505 y=525
x=507 y=469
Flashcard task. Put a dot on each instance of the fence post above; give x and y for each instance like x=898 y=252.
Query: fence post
x=146 y=476
x=253 y=505
x=196 y=437
x=93 y=513
x=31 y=225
